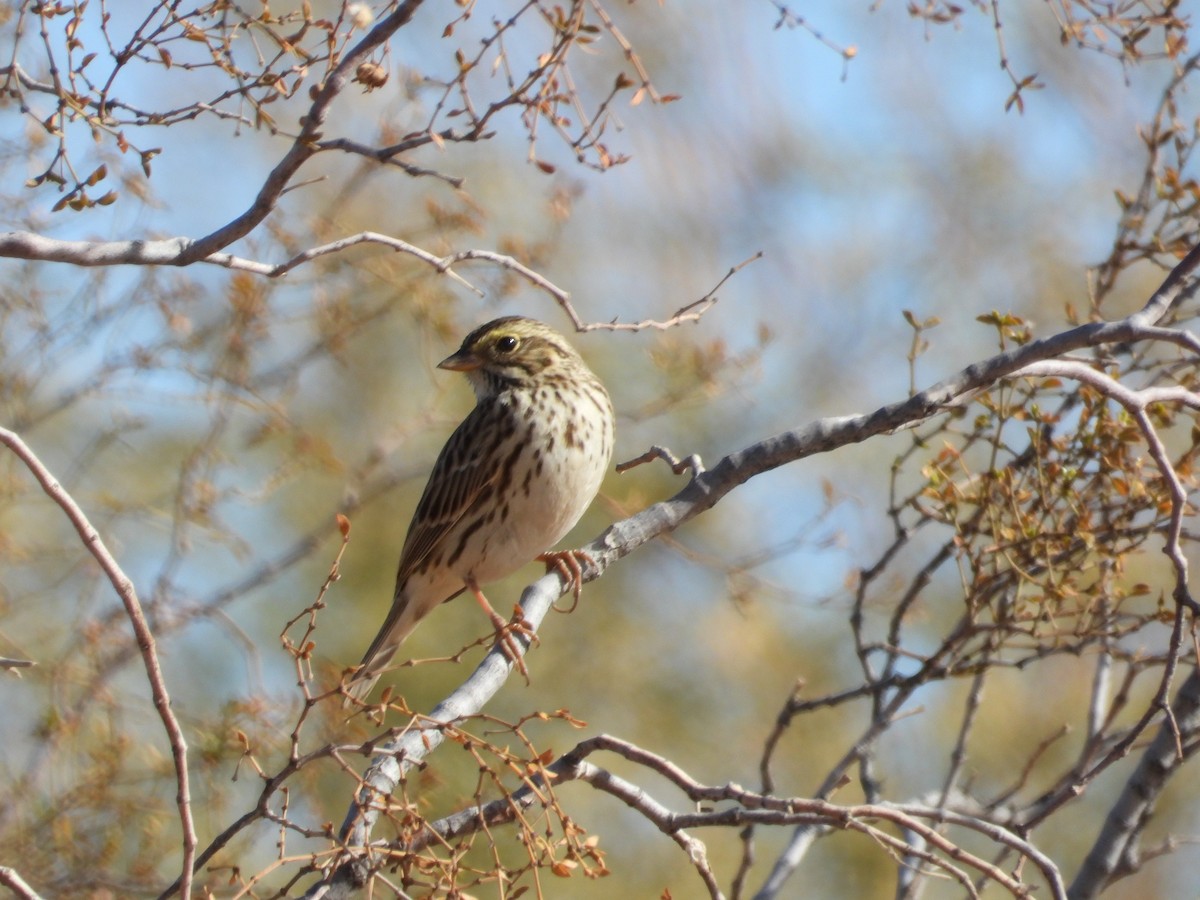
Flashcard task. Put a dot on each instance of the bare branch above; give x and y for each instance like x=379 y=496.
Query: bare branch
x=25 y=245
x=145 y=638
x=15 y=883
x=749 y=807
x=1129 y=814
x=690 y=312
x=305 y=145
x=690 y=463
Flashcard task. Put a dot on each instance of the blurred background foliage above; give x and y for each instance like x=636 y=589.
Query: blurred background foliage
x=213 y=422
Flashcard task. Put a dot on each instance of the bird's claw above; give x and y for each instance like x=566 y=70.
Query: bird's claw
x=569 y=566
x=506 y=632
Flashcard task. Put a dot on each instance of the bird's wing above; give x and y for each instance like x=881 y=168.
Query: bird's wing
x=464 y=475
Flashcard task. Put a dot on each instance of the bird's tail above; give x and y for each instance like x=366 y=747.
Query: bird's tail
x=398 y=625
x=362 y=682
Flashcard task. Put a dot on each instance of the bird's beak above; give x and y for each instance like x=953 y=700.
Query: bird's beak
x=462 y=361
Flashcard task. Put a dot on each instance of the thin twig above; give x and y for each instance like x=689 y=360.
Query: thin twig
x=690 y=463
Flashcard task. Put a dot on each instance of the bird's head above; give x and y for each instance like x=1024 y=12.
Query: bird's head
x=511 y=352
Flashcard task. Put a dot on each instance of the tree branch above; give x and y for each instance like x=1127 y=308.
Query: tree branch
x=305 y=145
x=748 y=807
x=183 y=251
x=1128 y=816
x=15 y=883
x=145 y=639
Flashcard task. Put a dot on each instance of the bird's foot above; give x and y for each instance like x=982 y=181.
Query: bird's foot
x=569 y=565
x=507 y=633
x=508 y=630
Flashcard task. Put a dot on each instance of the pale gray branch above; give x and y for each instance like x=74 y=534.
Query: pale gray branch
x=1115 y=845
x=162 y=252
x=181 y=251
x=749 y=807
x=15 y=883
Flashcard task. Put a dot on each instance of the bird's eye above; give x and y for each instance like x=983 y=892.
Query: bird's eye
x=506 y=344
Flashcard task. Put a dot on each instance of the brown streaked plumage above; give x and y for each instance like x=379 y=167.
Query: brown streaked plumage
x=513 y=478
